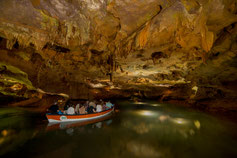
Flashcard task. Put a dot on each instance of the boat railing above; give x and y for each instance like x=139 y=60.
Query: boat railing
x=81 y=114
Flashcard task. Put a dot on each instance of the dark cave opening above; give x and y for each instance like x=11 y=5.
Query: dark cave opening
x=3 y=43
x=56 y=48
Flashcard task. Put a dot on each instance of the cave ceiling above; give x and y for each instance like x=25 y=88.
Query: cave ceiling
x=63 y=44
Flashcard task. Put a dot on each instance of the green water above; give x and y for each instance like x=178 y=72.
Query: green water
x=143 y=130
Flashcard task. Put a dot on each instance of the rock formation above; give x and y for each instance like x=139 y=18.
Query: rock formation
x=168 y=49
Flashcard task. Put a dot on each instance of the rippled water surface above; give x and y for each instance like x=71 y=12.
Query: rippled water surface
x=142 y=129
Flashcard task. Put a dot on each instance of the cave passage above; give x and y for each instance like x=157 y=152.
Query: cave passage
x=157 y=55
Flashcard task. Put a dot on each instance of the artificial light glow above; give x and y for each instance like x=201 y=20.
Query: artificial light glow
x=162 y=85
x=163 y=117
x=4 y=132
x=179 y=121
x=146 y=113
x=155 y=104
x=139 y=103
x=98 y=85
x=197 y=124
x=112 y=87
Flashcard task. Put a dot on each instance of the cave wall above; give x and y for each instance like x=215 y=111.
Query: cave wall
x=148 y=48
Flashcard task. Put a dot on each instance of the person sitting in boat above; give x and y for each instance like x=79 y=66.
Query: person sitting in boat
x=104 y=107
x=109 y=105
x=65 y=108
x=90 y=109
x=71 y=110
x=82 y=109
x=77 y=109
x=53 y=109
x=102 y=102
x=60 y=112
x=92 y=103
x=86 y=103
x=98 y=108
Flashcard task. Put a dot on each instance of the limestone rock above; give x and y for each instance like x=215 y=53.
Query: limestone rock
x=146 y=46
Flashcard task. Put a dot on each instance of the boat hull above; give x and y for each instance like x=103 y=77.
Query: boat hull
x=52 y=118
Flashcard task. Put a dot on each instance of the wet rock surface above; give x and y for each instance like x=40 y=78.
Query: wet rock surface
x=167 y=50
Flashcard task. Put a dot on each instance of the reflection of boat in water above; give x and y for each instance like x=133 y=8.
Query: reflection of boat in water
x=56 y=118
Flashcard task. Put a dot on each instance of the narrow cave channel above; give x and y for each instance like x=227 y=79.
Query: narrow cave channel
x=118 y=78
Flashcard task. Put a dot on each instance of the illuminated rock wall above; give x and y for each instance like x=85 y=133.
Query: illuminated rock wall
x=153 y=48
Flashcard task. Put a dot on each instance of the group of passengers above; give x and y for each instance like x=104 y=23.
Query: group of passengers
x=88 y=107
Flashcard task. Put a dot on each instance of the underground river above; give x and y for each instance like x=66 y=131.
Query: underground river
x=142 y=129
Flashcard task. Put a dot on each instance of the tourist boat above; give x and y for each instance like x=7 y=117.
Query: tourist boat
x=55 y=118
x=72 y=124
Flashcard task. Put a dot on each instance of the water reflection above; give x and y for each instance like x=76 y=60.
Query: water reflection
x=186 y=127
x=135 y=131
x=180 y=121
x=155 y=104
x=98 y=124
x=146 y=103
x=197 y=124
x=163 y=118
x=142 y=128
x=14 y=129
x=85 y=128
x=147 y=113
x=139 y=103
x=142 y=150
x=70 y=131
x=146 y=122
